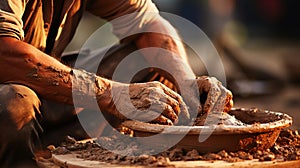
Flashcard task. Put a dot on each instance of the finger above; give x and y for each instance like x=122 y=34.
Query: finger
x=220 y=103
x=162 y=120
x=183 y=107
x=212 y=96
x=165 y=109
x=172 y=102
x=171 y=93
x=229 y=100
x=204 y=82
x=144 y=115
x=158 y=96
x=225 y=101
x=184 y=111
x=228 y=106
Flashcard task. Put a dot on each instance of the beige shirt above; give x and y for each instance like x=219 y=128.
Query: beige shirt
x=34 y=21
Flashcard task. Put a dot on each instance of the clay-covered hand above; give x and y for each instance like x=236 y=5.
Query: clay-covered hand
x=149 y=102
x=213 y=95
x=203 y=95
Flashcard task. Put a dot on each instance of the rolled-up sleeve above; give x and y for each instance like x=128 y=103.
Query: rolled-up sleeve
x=11 y=12
x=128 y=17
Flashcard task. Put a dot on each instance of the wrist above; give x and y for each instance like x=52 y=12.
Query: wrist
x=109 y=99
x=88 y=87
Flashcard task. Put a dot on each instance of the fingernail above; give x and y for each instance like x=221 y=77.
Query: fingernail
x=169 y=122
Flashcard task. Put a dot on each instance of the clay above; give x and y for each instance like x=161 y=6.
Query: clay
x=237 y=117
x=230 y=136
x=254 y=115
x=93 y=151
x=217 y=119
x=87 y=87
x=286 y=148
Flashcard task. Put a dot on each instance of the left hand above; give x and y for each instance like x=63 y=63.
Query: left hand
x=213 y=95
x=206 y=94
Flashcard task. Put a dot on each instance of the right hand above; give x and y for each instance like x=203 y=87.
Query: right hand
x=150 y=102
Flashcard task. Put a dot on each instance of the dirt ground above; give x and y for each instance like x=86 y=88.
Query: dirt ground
x=285 y=149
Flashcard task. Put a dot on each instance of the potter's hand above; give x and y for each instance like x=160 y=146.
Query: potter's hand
x=213 y=95
x=150 y=102
x=203 y=95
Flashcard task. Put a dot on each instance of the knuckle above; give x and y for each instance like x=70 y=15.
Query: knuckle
x=214 y=79
x=175 y=102
x=229 y=93
x=155 y=89
x=216 y=89
x=170 y=109
x=151 y=89
x=208 y=79
x=156 y=83
x=147 y=100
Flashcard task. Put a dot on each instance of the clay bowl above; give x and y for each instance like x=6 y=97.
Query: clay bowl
x=260 y=132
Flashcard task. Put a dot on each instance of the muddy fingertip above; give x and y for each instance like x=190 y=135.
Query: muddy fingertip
x=184 y=111
x=162 y=120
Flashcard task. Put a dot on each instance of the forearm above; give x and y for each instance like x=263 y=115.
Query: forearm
x=23 y=64
x=168 y=51
x=131 y=18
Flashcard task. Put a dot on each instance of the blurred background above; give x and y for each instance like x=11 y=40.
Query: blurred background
x=258 y=41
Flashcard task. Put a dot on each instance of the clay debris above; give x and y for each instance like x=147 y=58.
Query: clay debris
x=286 y=148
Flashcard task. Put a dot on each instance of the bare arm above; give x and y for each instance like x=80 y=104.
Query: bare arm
x=218 y=98
x=139 y=21
x=172 y=57
x=23 y=64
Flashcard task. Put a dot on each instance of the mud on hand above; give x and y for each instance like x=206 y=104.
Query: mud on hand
x=149 y=102
x=204 y=95
x=213 y=95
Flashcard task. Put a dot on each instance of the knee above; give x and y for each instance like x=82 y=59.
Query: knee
x=19 y=105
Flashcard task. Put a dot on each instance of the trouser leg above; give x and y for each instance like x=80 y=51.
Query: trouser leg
x=58 y=121
x=19 y=128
